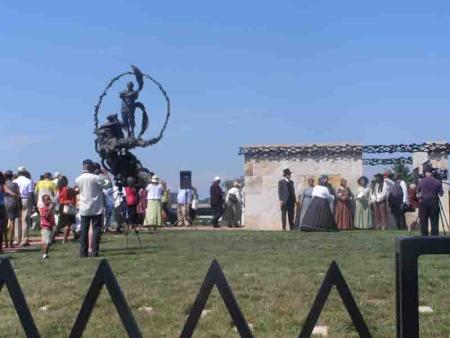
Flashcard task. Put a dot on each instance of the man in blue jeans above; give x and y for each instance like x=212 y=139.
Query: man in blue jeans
x=430 y=189
x=90 y=187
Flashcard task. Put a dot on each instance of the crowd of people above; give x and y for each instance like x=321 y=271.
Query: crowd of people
x=226 y=206
x=321 y=207
x=95 y=204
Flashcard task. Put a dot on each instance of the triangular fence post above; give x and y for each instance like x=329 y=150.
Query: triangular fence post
x=334 y=277
x=215 y=276
x=105 y=276
x=8 y=277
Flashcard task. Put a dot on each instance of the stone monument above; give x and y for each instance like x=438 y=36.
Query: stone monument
x=264 y=169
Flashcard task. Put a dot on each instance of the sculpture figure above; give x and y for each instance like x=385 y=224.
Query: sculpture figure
x=116 y=138
x=129 y=97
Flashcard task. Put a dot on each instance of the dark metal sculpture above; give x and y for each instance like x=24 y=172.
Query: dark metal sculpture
x=8 y=277
x=115 y=139
x=334 y=277
x=215 y=276
x=105 y=276
x=407 y=252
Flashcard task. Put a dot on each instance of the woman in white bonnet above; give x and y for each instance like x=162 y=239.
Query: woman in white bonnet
x=234 y=209
x=153 y=216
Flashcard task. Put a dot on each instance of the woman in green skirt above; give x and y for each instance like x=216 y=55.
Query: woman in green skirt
x=363 y=215
x=153 y=215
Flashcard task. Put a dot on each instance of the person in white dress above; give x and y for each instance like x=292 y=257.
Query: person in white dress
x=319 y=217
x=233 y=201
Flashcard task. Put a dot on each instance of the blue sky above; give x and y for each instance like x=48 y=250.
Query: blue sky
x=237 y=72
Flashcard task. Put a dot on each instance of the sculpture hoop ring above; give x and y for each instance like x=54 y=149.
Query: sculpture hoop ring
x=153 y=140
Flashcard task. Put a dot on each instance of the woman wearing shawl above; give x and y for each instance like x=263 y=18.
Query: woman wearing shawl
x=363 y=214
x=319 y=217
x=343 y=213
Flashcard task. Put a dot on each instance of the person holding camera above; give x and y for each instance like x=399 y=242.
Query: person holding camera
x=429 y=189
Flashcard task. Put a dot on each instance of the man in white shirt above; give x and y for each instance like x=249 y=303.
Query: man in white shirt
x=90 y=188
x=26 y=188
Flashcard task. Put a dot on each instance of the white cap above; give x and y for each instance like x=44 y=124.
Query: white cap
x=216 y=179
x=21 y=169
x=155 y=179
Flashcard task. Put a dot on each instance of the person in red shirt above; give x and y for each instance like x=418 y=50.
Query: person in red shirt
x=67 y=207
x=47 y=224
x=131 y=198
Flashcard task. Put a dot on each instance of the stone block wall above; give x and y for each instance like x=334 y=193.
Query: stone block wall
x=262 y=211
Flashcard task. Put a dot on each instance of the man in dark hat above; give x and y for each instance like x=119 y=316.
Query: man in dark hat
x=286 y=195
x=430 y=189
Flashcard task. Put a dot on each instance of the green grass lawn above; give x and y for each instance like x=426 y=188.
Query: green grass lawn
x=275 y=277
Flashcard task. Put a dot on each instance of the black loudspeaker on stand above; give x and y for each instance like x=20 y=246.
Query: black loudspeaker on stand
x=185 y=179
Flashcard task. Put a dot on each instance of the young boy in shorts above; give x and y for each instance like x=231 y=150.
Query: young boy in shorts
x=47 y=224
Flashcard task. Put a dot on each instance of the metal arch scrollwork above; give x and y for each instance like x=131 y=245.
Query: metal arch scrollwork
x=344 y=149
x=387 y=161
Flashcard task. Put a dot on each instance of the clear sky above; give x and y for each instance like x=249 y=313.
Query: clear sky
x=237 y=72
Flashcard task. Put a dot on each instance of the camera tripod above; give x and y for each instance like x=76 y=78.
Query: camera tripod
x=123 y=216
x=443 y=217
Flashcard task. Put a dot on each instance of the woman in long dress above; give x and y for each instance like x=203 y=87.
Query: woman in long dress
x=379 y=200
x=305 y=200
x=363 y=214
x=343 y=213
x=13 y=206
x=233 y=201
x=319 y=217
x=153 y=216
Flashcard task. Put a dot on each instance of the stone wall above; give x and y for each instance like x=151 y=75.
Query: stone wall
x=262 y=210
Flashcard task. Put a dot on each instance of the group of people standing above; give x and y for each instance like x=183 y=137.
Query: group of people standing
x=322 y=208
x=228 y=205
x=92 y=206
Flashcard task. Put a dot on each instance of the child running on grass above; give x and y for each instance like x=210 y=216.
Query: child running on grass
x=47 y=224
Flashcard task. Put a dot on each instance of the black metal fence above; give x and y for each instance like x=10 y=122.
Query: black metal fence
x=408 y=250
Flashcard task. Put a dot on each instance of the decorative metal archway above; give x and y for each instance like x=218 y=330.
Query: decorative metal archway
x=348 y=150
